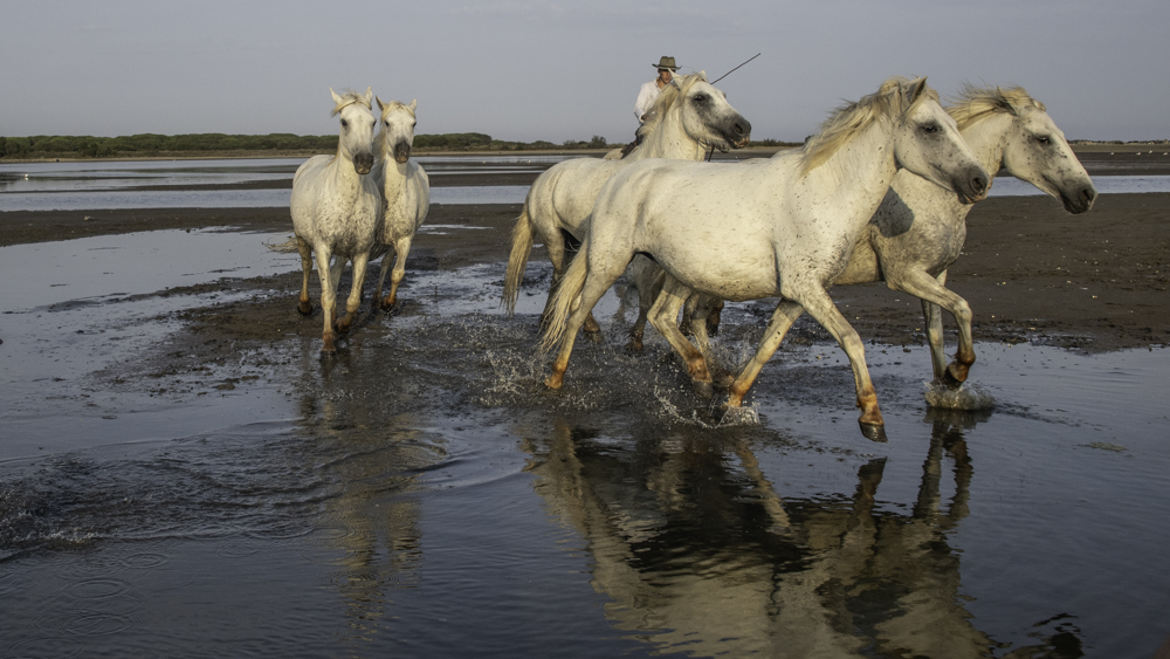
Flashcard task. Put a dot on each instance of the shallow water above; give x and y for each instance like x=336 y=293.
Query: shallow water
x=423 y=495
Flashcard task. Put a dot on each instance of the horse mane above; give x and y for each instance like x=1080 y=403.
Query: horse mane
x=977 y=103
x=851 y=118
x=347 y=99
x=667 y=98
x=393 y=105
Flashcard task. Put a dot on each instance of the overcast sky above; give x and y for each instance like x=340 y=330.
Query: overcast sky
x=559 y=70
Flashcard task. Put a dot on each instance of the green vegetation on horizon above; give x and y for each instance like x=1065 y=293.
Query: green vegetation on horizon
x=152 y=144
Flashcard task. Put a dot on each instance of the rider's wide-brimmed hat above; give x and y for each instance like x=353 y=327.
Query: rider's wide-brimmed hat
x=666 y=62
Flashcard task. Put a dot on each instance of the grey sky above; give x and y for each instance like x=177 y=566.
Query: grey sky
x=558 y=70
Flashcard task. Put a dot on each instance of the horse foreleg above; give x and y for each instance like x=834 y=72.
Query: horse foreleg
x=932 y=319
x=304 y=305
x=820 y=306
x=931 y=290
x=786 y=313
x=328 y=296
x=664 y=317
x=354 y=301
x=401 y=250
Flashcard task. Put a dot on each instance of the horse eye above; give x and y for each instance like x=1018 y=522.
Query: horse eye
x=931 y=128
x=701 y=98
x=344 y=123
x=1043 y=140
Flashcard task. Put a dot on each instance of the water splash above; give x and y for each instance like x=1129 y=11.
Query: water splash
x=968 y=397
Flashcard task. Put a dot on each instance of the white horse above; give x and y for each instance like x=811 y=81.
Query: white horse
x=784 y=226
x=406 y=193
x=689 y=117
x=919 y=229
x=334 y=208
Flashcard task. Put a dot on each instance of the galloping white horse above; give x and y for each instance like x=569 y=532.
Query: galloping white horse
x=334 y=208
x=781 y=227
x=688 y=117
x=919 y=229
x=406 y=193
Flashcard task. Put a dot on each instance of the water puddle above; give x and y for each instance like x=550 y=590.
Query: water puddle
x=425 y=477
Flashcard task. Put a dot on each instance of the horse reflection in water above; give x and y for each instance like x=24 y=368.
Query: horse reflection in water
x=701 y=555
x=371 y=456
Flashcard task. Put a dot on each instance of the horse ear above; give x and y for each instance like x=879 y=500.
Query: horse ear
x=413 y=104
x=369 y=96
x=381 y=106
x=336 y=98
x=916 y=89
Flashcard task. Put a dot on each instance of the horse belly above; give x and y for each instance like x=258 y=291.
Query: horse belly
x=728 y=269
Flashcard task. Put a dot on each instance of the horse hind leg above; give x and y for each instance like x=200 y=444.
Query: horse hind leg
x=664 y=317
x=304 y=305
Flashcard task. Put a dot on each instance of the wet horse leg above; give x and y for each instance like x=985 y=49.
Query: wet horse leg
x=354 y=301
x=934 y=291
x=664 y=317
x=820 y=306
x=304 y=305
x=328 y=296
x=785 y=314
x=401 y=250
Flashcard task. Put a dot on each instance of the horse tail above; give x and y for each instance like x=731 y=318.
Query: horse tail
x=565 y=298
x=521 y=248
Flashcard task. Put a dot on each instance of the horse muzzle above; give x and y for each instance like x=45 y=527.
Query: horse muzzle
x=401 y=152
x=1080 y=200
x=971 y=185
x=738 y=132
x=363 y=162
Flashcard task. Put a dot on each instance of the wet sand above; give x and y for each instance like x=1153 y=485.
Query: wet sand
x=1031 y=271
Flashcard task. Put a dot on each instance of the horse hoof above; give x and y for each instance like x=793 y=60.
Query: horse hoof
x=389 y=305
x=634 y=346
x=872 y=432
x=594 y=336
x=950 y=380
x=305 y=308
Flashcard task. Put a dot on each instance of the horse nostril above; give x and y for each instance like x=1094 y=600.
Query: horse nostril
x=1089 y=194
x=979 y=184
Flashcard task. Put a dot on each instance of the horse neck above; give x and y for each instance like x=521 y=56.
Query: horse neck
x=392 y=177
x=345 y=177
x=987 y=139
x=852 y=178
x=670 y=140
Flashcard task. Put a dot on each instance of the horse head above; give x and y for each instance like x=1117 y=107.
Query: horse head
x=397 y=134
x=356 y=141
x=703 y=112
x=1035 y=150
x=927 y=141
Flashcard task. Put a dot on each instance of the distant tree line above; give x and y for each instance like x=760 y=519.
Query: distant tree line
x=152 y=144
